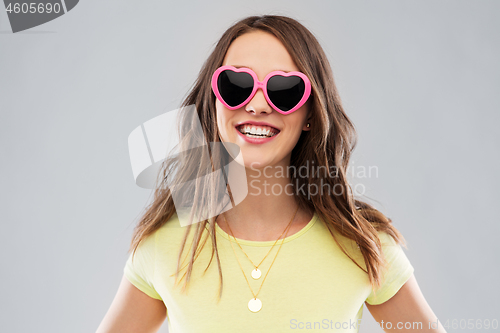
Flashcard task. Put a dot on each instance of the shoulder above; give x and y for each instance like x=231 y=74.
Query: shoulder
x=171 y=234
x=394 y=255
x=175 y=225
x=172 y=223
x=169 y=231
x=386 y=239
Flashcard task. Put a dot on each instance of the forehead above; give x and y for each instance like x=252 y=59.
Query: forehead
x=260 y=51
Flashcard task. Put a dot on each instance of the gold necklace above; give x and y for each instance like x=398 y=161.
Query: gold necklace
x=255 y=304
x=256 y=273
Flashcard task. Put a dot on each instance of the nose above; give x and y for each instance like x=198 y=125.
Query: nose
x=258 y=104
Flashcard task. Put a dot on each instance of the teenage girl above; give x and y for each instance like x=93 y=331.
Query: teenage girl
x=295 y=250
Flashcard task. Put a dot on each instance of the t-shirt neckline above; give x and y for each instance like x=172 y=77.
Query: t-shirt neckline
x=268 y=243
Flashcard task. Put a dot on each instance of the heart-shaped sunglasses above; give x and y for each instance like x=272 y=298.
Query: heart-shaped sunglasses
x=284 y=91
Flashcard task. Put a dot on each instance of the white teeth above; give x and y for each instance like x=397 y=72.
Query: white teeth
x=257 y=131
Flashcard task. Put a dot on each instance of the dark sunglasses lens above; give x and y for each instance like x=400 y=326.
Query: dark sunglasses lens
x=285 y=91
x=234 y=87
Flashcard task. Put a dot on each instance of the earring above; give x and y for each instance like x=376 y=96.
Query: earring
x=308 y=125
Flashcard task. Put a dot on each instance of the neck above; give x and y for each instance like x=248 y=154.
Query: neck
x=267 y=208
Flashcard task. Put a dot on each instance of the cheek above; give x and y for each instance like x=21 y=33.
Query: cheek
x=222 y=120
x=297 y=121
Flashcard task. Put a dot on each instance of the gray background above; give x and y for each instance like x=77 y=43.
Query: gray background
x=420 y=80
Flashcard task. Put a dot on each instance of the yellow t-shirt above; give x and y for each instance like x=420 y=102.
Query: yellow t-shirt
x=312 y=285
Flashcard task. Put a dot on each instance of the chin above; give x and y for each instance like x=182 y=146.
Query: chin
x=254 y=163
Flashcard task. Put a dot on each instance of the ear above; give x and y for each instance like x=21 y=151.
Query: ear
x=308 y=121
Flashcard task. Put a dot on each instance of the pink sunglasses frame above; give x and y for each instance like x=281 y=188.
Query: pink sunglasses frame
x=262 y=85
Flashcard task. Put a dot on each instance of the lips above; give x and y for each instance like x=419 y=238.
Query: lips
x=256 y=139
x=256 y=132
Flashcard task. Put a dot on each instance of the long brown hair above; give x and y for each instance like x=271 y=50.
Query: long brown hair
x=328 y=144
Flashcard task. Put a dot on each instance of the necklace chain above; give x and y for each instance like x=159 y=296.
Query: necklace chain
x=272 y=247
x=241 y=267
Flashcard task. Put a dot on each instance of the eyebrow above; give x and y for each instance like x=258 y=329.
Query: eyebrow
x=238 y=66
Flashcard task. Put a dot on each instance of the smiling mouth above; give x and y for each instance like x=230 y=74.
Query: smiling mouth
x=253 y=131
